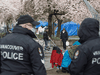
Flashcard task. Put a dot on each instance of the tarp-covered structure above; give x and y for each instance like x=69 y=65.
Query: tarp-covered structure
x=43 y=24
x=70 y=27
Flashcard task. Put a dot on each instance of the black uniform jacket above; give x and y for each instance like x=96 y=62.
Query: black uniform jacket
x=20 y=54
x=86 y=60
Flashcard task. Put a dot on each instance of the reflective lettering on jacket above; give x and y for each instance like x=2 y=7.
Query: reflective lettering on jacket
x=11 y=47
x=11 y=55
x=96 y=60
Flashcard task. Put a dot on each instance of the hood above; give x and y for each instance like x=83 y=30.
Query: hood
x=21 y=30
x=89 y=29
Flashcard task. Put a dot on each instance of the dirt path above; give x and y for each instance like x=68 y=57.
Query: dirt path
x=53 y=72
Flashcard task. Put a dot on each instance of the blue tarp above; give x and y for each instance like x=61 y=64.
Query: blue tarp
x=70 y=27
x=43 y=24
x=39 y=24
x=66 y=60
x=55 y=24
x=76 y=43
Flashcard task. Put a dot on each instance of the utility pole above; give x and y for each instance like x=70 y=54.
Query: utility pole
x=93 y=12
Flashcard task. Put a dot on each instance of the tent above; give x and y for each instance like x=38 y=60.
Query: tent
x=37 y=26
x=70 y=27
x=43 y=24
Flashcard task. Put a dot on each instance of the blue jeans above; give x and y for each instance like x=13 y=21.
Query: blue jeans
x=46 y=43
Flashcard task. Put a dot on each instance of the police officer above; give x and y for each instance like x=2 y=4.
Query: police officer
x=20 y=54
x=86 y=60
x=0 y=58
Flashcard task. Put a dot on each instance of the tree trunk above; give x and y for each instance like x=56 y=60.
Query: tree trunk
x=7 y=27
x=59 y=27
x=50 y=25
x=53 y=30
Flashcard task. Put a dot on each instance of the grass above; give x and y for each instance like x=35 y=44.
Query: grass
x=41 y=37
x=2 y=34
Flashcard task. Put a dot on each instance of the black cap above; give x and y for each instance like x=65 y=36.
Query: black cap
x=27 y=19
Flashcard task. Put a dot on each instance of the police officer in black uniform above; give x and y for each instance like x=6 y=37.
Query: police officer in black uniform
x=86 y=60
x=20 y=54
x=0 y=58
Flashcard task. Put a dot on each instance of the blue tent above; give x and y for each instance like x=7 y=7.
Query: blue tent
x=39 y=24
x=70 y=27
x=43 y=24
x=55 y=24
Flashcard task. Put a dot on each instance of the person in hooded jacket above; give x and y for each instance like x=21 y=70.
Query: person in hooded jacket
x=86 y=60
x=20 y=53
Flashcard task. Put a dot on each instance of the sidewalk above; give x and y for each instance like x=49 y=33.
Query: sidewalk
x=53 y=72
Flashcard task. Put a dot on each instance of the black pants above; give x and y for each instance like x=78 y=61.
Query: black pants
x=64 y=44
x=64 y=70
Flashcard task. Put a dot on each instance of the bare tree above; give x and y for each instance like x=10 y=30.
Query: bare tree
x=53 y=11
x=8 y=20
